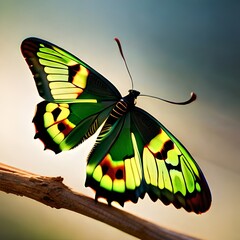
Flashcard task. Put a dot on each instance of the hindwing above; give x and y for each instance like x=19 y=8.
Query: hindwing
x=139 y=155
x=114 y=167
x=62 y=126
x=170 y=172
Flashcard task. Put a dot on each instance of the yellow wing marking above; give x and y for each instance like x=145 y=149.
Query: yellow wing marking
x=80 y=79
x=109 y=179
x=48 y=116
x=51 y=122
x=133 y=167
x=178 y=182
x=157 y=143
x=161 y=173
x=56 y=64
x=118 y=175
x=106 y=182
x=57 y=135
x=149 y=166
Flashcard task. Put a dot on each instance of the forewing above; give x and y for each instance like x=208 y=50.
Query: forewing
x=170 y=172
x=62 y=77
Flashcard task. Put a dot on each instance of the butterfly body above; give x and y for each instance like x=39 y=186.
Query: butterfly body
x=134 y=153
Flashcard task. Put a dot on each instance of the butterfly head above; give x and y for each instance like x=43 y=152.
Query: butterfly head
x=130 y=99
x=134 y=93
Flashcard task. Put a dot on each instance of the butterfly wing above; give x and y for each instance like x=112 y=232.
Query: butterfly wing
x=141 y=156
x=62 y=77
x=62 y=126
x=114 y=167
x=170 y=172
x=78 y=99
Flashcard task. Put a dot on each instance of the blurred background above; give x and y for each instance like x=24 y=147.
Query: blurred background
x=172 y=48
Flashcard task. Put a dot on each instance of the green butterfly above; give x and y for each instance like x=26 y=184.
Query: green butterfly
x=134 y=153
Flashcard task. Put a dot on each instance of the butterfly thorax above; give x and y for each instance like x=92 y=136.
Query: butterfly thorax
x=123 y=106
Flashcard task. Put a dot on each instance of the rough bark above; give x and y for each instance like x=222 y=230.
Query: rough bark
x=52 y=192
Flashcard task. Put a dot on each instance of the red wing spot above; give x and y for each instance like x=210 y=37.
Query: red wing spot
x=68 y=127
x=64 y=127
x=114 y=172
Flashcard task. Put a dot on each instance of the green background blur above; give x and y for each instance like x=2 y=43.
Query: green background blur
x=172 y=48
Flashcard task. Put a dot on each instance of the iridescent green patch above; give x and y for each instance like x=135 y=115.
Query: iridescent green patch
x=178 y=182
x=106 y=182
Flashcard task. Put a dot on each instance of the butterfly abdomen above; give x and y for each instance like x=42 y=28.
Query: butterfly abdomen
x=119 y=110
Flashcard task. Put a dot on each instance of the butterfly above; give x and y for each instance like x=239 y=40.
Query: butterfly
x=134 y=153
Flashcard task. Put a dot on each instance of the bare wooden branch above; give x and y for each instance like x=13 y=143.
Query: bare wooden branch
x=52 y=192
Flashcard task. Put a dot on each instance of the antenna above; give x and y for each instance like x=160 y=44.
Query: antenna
x=190 y=100
x=121 y=52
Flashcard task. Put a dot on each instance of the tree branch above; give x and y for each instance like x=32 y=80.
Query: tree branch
x=52 y=192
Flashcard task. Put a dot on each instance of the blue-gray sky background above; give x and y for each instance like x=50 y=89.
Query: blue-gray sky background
x=172 y=48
